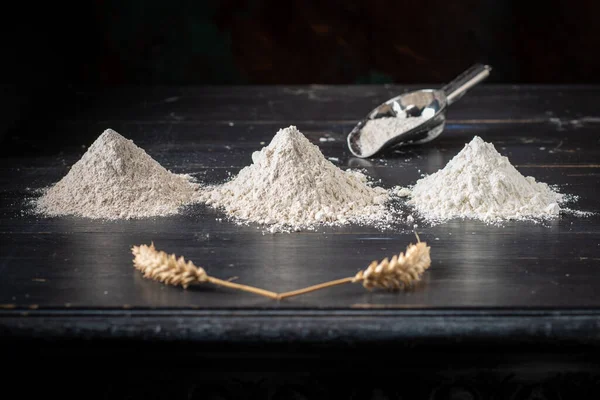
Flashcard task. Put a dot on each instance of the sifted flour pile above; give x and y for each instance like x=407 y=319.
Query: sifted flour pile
x=116 y=179
x=480 y=183
x=291 y=186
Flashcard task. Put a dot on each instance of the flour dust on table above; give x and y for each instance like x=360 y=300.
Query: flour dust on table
x=291 y=186
x=480 y=183
x=115 y=179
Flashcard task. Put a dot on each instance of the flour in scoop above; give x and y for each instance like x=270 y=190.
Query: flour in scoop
x=375 y=132
x=291 y=186
x=115 y=179
x=480 y=183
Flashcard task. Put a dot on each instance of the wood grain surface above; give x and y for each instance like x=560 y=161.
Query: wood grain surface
x=73 y=277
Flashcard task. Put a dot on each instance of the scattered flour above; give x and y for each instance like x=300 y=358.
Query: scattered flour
x=480 y=183
x=577 y=213
x=115 y=179
x=380 y=130
x=292 y=186
x=402 y=192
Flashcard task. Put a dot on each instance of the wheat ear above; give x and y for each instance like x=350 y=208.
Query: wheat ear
x=169 y=269
x=398 y=273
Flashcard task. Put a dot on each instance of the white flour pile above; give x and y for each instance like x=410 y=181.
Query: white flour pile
x=291 y=186
x=380 y=130
x=480 y=183
x=116 y=179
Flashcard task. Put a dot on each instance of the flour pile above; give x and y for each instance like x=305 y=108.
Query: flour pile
x=115 y=179
x=291 y=186
x=480 y=183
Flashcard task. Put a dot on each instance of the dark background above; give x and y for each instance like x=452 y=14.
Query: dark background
x=51 y=50
x=300 y=42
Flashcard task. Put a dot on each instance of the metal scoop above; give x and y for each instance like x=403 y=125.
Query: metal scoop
x=428 y=106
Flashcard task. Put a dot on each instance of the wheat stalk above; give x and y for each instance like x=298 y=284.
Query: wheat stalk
x=398 y=273
x=166 y=268
x=169 y=269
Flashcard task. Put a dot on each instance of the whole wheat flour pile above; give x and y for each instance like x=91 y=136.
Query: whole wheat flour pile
x=480 y=183
x=292 y=186
x=115 y=179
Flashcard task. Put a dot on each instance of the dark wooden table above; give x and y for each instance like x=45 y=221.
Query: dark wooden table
x=525 y=290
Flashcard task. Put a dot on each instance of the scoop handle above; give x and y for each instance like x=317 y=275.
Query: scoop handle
x=465 y=81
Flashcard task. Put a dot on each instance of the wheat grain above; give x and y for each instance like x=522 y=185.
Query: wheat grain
x=166 y=268
x=399 y=272
x=169 y=269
